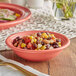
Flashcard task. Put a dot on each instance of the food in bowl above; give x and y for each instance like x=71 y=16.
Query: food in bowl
x=7 y=15
x=37 y=41
x=36 y=55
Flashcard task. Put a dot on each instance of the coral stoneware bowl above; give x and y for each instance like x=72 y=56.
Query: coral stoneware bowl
x=23 y=11
x=39 y=55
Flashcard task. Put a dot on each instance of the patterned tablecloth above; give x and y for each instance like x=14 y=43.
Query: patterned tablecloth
x=41 y=20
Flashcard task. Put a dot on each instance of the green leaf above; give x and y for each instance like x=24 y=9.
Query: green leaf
x=59 y=5
x=11 y=18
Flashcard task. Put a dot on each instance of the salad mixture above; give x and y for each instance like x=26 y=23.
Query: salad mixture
x=7 y=15
x=37 y=41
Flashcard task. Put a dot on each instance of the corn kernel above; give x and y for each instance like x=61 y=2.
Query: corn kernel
x=17 y=14
x=43 y=47
x=35 y=40
x=31 y=37
x=32 y=40
x=44 y=35
x=41 y=39
x=59 y=43
x=49 y=35
x=52 y=35
x=23 y=45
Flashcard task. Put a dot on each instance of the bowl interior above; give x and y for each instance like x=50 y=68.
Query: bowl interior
x=65 y=41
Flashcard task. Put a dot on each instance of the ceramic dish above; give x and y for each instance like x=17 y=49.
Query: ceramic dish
x=23 y=11
x=37 y=55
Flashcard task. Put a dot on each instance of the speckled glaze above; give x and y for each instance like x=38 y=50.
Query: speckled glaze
x=34 y=55
x=23 y=11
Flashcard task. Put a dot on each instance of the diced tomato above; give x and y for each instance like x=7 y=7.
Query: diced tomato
x=29 y=45
x=27 y=40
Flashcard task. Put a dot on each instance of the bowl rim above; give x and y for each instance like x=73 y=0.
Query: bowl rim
x=39 y=51
x=21 y=19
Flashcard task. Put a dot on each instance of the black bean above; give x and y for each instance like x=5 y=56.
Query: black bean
x=38 y=42
x=47 y=46
x=42 y=43
x=47 y=33
x=44 y=38
x=39 y=34
x=23 y=40
x=55 y=46
x=34 y=45
x=31 y=48
x=49 y=38
x=55 y=43
x=14 y=41
x=50 y=44
x=58 y=40
x=24 y=48
x=18 y=38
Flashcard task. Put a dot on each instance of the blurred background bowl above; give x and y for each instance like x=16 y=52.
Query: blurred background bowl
x=24 y=12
